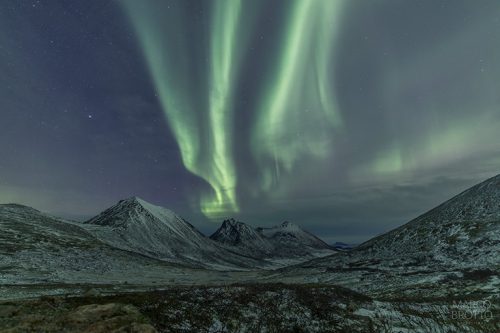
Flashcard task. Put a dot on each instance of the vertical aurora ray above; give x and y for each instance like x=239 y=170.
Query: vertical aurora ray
x=200 y=116
x=223 y=57
x=164 y=56
x=298 y=113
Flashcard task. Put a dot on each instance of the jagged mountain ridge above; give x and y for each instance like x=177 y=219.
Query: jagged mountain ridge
x=284 y=241
x=132 y=227
x=243 y=237
x=136 y=225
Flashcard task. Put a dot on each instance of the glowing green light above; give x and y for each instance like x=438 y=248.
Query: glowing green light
x=298 y=113
x=200 y=115
x=223 y=63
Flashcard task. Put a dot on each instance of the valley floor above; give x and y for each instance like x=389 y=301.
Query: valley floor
x=243 y=308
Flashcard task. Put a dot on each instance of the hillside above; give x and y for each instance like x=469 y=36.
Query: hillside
x=457 y=243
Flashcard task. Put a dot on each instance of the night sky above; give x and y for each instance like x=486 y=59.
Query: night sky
x=346 y=117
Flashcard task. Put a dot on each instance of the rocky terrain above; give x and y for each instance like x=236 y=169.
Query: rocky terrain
x=244 y=308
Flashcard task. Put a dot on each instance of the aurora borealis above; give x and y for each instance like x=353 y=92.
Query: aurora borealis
x=349 y=117
x=202 y=130
x=298 y=83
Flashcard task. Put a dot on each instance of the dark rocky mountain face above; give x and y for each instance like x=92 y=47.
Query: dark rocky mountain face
x=284 y=241
x=232 y=232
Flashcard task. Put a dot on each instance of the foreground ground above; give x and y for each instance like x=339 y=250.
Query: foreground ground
x=246 y=308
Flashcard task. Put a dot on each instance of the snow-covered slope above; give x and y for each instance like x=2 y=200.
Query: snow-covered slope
x=459 y=239
x=138 y=226
x=36 y=248
x=290 y=237
x=284 y=242
x=463 y=231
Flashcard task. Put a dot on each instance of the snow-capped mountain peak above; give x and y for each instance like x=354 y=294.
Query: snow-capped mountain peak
x=140 y=226
x=289 y=225
x=135 y=210
x=239 y=234
x=234 y=232
x=284 y=240
x=136 y=225
x=290 y=233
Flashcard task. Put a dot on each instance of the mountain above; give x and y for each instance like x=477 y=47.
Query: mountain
x=463 y=231
x=290 y=237
x=242 y=238
x=286 y=241
x=38 y=248
x=457 y=242
x=138 y=226
x=340 y=246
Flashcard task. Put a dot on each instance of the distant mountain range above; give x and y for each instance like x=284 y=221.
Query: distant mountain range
x=136 y=236
x=141 y=243
x=138 y=226
x=286 y=241
x=340 y=246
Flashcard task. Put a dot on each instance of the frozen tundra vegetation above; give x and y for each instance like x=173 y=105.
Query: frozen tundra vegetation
x=137 y=267
x=244 y=308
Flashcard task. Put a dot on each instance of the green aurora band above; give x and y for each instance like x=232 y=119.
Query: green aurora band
x=298 y=111
x=222 y=175
x=199 y=108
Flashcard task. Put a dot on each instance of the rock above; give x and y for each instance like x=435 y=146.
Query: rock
x=106 y=318
x=7 y=310
x=92 y=292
